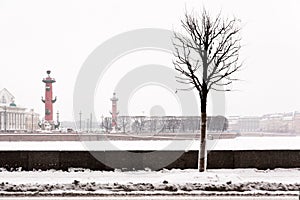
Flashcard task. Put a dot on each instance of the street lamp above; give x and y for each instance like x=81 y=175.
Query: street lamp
x=87 y=125
x=102 y=124
x=5 y=118
x=80 y=113
x=91 y=122
x=31 y=121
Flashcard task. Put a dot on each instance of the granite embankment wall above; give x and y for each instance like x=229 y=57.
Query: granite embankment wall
x=62 y=160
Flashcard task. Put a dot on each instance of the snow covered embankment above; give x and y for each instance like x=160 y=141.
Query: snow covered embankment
x=244 y=181
x=165 y=186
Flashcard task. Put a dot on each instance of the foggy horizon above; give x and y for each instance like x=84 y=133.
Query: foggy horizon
x=59 y=36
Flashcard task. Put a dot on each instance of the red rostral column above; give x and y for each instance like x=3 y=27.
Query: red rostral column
x=48 y=97
x=114 y=112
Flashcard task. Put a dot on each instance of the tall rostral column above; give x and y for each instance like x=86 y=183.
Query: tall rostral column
x=48 y=99
x=114 y=112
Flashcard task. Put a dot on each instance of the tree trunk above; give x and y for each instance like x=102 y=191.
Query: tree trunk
x=202 y=152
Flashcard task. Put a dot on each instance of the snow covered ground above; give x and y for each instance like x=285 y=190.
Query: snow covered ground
x=160 y=197
x=175 y=176
x=239 y=143
x=189 y=181
x=242 y=181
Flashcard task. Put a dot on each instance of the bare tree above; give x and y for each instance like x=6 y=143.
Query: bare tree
x=153 y=124
x=124 y=121
x=107 y=124
x=139 y=124
x=206 y=59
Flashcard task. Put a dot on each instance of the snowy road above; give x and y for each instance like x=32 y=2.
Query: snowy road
x=158 y=198
x=175 y=176
x=163 y=182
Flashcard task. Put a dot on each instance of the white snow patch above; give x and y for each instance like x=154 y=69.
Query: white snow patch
x=174 y=176
x=239 y=143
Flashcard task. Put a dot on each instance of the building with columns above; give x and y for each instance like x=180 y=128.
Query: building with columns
x=14 y=118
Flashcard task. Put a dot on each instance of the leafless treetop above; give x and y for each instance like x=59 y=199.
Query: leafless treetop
x=208 y=56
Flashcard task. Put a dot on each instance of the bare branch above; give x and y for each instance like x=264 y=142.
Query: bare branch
x=212 y=45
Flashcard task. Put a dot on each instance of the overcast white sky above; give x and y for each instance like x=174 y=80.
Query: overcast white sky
x=59 y=35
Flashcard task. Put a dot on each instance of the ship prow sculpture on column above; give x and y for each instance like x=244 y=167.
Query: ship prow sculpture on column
x=48 y=123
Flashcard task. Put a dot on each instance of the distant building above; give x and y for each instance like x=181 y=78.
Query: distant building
x=272 y=123
x=243 y=124
x=233 y=123
x=249 y=124
x=296 y=124
x=288 y=122
x=15 y=118
x=278 y=122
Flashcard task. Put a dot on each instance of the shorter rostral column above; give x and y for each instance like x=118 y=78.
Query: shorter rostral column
x=114 y=113
x=48 y=99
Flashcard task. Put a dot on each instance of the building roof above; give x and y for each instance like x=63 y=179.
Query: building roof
x=6 y=97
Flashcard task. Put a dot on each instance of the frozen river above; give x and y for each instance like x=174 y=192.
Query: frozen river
x=186 y=144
